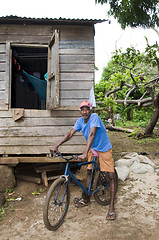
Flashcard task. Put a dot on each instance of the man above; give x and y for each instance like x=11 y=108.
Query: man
x=97 y=138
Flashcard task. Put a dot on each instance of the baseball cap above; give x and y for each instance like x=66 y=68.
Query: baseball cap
x=85 y=104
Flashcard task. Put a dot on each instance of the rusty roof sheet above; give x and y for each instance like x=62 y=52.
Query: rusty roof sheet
x=48 y=21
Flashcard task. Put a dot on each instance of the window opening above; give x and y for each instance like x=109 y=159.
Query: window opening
x=29 y=68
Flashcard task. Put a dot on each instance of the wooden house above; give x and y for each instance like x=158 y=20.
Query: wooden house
x=62 y=48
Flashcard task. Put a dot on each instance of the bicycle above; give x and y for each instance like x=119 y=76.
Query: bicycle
x=58 y=196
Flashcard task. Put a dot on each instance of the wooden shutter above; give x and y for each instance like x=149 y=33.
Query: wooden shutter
x=53 y=72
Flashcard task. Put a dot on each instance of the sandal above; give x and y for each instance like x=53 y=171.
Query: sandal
x=80 y=202
x=111 y=216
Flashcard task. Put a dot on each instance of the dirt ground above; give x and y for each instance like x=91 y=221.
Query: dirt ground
x=136 y=204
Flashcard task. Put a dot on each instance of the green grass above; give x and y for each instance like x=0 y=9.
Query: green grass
x=148 y=140
x=131 y=124
x=4 y=210
x=10 y=190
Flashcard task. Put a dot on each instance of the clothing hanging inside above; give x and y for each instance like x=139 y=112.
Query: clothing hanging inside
x=39 y=85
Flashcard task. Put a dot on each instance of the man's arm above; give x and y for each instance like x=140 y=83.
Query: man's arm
x=90 y=141
x=64 y=139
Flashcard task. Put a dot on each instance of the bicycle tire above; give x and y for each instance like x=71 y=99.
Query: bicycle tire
x=56 y=204
x=102 y=196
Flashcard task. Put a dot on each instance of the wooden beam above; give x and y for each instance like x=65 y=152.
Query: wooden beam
x=9 y=160
x=16 y=160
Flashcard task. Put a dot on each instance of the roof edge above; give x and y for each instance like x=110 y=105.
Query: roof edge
x=28 y=20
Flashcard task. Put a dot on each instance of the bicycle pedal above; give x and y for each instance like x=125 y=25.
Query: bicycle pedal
x=76 y=200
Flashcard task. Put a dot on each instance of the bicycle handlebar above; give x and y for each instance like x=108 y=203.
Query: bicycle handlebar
x=56 y=154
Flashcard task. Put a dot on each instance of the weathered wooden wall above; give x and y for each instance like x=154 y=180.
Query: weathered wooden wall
x=41 y=129
x=76 y=53
x=4 y=77
x=76 y=65
x=37 y=132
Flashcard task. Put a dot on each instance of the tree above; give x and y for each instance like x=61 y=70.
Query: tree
x=134 y=13
x=132 y=78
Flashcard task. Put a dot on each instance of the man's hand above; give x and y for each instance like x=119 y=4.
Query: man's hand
x=82 y=157
x=54 y=149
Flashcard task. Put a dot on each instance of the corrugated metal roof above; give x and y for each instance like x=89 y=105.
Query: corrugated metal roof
x=25 y=20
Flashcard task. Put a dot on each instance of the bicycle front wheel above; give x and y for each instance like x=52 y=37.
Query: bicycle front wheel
x=56 y=204
x=101 y=186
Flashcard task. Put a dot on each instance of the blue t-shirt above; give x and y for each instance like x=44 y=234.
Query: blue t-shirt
x=101 y=141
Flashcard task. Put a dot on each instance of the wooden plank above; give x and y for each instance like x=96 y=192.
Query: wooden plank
x=76 y=44
x=48 y=78
x=2 y=76
x=53 y=70
x=31 y=159
x=35 y=131
x=2 y=85
x=84 y=94
x=2 y=57
x=3 y=106
x=12 y=29
x=52 y=40
x=56 y=68
x=76 y=59
x=33 y=122
x=82 y=76
x=2 y=95
x=2 y=48
x=71 y=102
x=8 y=73
x=39 y=149
x=40 y=159
x=38 y=141
x=75 y=85
x=9 y=160
x=76 y=67
x=25 y=39
x=78 y=51
x=43 y=113
x=77 y=33
x=64 y=113
x=36 y=122
x=2 y=66
x=31 y=45
x=44 y=179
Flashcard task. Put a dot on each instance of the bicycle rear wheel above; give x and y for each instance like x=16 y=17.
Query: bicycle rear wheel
x=56 y=204
x=102 y=187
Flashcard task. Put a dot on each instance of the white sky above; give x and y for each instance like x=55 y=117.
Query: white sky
x=108 y=37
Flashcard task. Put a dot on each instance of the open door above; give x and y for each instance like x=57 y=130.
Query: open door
x=53 y=72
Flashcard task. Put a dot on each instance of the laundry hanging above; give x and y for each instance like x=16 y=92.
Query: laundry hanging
x=39 y=85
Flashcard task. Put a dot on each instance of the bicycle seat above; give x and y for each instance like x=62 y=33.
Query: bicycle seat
x=95 y=154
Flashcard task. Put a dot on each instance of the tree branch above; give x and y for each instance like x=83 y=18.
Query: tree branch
x=128 y=94
x=118 y=88
x=153 y=80
x=135 y=101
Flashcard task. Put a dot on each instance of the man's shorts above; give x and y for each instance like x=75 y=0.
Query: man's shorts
x=105 y=160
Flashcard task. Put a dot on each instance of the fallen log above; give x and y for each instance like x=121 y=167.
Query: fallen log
x=26 y=178
x=119 y=129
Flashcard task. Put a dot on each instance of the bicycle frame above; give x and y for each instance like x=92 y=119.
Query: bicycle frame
x=70 y=174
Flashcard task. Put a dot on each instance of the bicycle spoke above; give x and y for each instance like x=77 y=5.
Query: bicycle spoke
x=57 y=203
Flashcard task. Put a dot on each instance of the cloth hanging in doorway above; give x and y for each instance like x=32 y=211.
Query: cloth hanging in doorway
x=39 y=85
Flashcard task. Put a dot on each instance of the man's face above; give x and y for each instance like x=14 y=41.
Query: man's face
x=85 y=112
